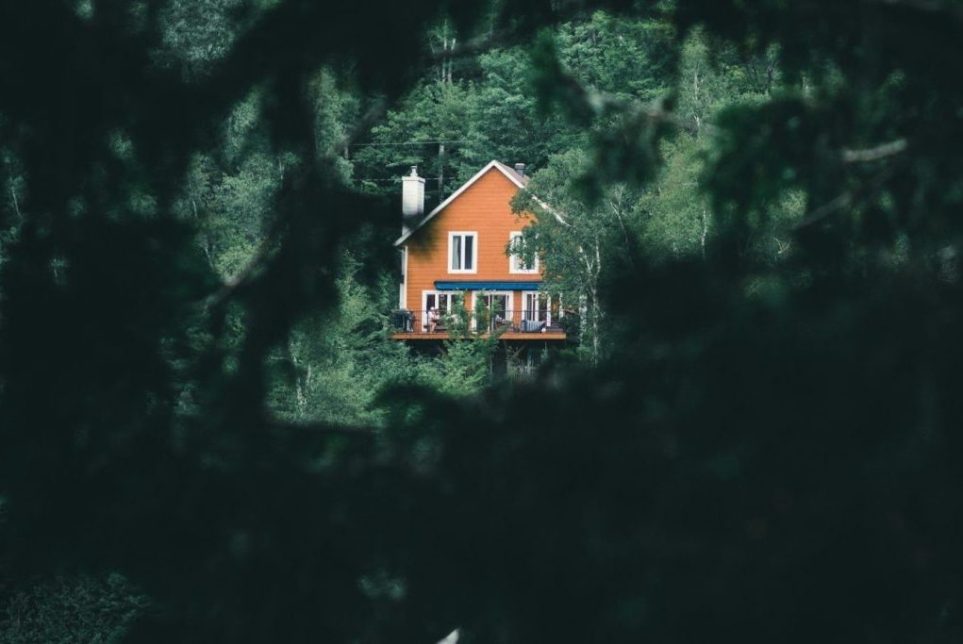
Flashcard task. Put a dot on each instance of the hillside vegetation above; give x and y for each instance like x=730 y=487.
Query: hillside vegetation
x=207 y=434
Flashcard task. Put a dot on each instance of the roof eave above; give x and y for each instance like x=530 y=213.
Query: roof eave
x=501 y=167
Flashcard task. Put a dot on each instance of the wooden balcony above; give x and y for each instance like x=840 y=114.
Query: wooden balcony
x=517 y=326
x=507 y=336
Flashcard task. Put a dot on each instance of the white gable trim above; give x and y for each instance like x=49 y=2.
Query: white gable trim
x=457 y=193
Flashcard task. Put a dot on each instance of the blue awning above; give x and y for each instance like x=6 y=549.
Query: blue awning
x=487 y=286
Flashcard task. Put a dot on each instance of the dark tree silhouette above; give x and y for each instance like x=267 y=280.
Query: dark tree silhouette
x=773 y=456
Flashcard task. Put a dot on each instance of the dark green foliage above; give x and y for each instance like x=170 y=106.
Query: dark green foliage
x=775 y=481
x=79 y=609
x=767 y=452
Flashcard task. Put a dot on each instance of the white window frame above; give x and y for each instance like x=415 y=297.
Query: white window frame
x=528 y=313
x=509 y=305
x=449 y=295
x=512 y=257
x=451 y=240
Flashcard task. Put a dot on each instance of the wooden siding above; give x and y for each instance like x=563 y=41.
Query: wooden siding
x=483 y=208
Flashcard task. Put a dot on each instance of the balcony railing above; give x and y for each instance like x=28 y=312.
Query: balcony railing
x=525 y=321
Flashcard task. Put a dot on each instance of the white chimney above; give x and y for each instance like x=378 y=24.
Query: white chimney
x=412 y=198
x=520 y=168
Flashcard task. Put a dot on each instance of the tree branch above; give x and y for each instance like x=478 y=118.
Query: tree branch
x=877 y=153
x=931 y=7
x=847 y=198
x=233 y=284
x=838 y=203
x=377 y=110
x=319 y=428
x=600 y=103
x=474 y=46
x=16 y=204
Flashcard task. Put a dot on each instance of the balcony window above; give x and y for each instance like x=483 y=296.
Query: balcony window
x=444 y=308
x=493 y=310
x=539 y=307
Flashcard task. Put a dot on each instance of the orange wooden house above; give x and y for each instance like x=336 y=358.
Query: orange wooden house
x=458 y=271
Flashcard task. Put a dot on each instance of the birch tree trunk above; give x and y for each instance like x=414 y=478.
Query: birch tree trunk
x=596 y=305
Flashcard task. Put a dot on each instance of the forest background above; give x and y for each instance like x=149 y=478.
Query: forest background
x=207 y=434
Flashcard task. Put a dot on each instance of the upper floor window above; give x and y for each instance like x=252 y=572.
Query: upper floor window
x=517 y=262
x=461 y=252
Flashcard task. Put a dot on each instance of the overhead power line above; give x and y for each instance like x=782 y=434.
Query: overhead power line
x=395 y=180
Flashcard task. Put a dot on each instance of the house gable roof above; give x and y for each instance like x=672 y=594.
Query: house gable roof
x=518 y=179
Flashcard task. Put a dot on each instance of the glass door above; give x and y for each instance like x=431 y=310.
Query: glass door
x=493 y=310
x=442 y=310
x=539 y=310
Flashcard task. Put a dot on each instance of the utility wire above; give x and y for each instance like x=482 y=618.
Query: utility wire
x=398 y=180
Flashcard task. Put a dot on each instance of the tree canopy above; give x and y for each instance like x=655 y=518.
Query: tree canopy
x=205 y=434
